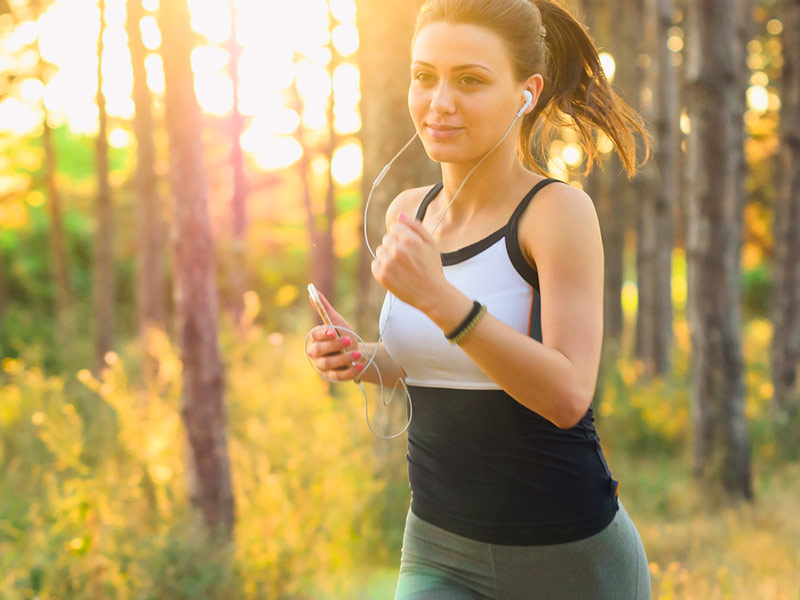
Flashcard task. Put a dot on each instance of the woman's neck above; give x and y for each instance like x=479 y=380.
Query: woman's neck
x=484 y=190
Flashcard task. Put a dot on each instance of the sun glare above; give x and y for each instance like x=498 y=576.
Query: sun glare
x=282 y=44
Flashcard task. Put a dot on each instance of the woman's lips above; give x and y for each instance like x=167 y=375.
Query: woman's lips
x=442 y=132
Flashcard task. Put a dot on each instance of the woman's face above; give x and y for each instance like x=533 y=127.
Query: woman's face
x=463 y=94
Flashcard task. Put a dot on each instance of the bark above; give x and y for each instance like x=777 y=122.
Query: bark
x=150 y=285
x=239 y=199
x=104 y=249
x=618 y=213
x=203 y=408
x=386 y=30
x=325 y=269
x=786 y=291
x=714 y=203
x=594 y=15
x=658 y=207
x=58 y=247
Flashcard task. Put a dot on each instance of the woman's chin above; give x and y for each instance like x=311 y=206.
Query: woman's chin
x=442 y=154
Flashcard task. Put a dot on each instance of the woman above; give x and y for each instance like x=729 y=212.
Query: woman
x=511 y=496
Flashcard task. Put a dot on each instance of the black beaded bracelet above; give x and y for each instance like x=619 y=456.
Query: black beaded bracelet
x=476 y=307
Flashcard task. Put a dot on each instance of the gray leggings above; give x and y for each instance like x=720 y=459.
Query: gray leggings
x=439 y=565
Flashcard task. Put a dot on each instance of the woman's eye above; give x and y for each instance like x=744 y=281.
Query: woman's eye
x=423 y=77
x=470 y=80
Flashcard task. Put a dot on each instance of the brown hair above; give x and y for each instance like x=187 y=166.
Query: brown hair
x=543 y=37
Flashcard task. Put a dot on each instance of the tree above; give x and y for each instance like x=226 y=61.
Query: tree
x=239 y=198
x=150 y=285
x=385 y=31
x=713 y=191
x=103 y=282
x=203 y=408
x=657 y=208
x=786 y=291
x=58 y=246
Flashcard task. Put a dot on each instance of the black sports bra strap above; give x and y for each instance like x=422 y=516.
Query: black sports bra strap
x=527 y=199
x=423 y=207
x=527 y=272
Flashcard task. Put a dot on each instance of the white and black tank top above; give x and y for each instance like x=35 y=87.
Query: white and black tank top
x=481 y=464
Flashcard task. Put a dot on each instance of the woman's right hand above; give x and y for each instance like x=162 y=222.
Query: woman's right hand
x=337 y=358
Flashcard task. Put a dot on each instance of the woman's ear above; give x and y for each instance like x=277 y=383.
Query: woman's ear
x=534 y=85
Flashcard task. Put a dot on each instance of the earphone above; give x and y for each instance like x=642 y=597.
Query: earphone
x=528 y=99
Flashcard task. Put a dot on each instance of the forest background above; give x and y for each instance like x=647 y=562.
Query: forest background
x=172 y=176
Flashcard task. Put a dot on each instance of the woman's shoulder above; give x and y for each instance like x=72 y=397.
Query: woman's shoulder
x=407 y=201
x=560 y=211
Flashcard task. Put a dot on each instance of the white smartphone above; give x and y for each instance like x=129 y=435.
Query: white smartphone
x=317 y=302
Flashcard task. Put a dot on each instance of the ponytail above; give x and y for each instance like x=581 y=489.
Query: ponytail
x=543 y=37
x=579 y=95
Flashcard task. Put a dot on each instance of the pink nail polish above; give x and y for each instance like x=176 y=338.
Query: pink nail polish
x=346 y=341
x=329 y=333
x=359 y=366
x=356 y=354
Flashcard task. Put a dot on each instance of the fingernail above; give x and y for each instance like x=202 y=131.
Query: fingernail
x=329 y=333
x=346 y=341
x=359 y=366
x=403 y=216
x=356 y=354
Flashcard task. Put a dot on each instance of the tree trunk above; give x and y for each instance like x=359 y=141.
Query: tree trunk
x=58 y=246
x=325 y=267
x=621 y=202
x=384 y=57
x=239 y=199
x=594 y=15
x=386 y=30
x=786 y=291
x=658 y=207
x=714 y=203
x=104 y=249
x=203 y=408
x=150 y=286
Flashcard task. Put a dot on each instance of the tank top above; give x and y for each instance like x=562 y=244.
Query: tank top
x=480 y=464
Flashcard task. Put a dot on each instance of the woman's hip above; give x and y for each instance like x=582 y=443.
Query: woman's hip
x=437 y=563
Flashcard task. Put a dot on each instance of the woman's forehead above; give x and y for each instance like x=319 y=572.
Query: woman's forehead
x=447 y=46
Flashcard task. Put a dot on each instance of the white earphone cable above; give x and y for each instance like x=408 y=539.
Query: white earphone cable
x=392 y=298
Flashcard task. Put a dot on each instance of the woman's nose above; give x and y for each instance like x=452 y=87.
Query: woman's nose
x=442 y=100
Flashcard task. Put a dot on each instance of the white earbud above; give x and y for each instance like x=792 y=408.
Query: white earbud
x=528 y=99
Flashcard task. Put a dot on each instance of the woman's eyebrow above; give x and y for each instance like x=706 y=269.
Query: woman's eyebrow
x=456 y=68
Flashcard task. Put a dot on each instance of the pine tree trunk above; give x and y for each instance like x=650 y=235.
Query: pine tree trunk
x=658 y=207
x=150 y=285
x=58 y=246
x=786 y=290
x=595 y=16
x=384 y=55
x=203 y=408
x=327 y=269
x=104 y=250
x=385 y=48
x=617 y=210
x=714 y=202
x=239 y=199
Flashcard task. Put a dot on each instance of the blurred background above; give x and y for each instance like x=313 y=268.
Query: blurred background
x=174 y=172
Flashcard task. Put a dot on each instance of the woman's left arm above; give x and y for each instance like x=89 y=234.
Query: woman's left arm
x=556 y=377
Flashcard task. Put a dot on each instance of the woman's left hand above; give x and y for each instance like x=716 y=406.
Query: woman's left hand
x=408 y=263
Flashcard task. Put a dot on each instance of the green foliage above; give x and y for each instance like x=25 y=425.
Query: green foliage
x=757 y=291
x=94 y=477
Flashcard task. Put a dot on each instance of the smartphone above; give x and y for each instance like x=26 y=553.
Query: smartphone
x=317 y=302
